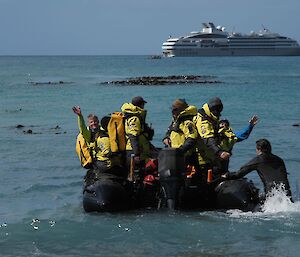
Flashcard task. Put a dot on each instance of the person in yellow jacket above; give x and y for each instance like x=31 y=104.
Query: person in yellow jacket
x=228 y=138
x=207 y=123
x=182 y=132
x=137 y=132
x=97 y=139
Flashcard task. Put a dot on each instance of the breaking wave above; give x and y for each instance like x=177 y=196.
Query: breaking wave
x=277 y=204
x=277 y=201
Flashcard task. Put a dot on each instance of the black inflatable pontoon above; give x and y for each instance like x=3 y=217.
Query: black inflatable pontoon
x=173 y=190
x=106 y=195
x=181 y=192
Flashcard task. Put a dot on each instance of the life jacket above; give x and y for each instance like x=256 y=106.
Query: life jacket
x=227 y=139
x=183 y=127
x=116 y=132
x=83 y=152
x=205 y=115
x=207 y=125
x=135 y=126
x=132 y=113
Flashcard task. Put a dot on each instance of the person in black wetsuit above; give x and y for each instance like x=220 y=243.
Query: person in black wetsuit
x=270 y=168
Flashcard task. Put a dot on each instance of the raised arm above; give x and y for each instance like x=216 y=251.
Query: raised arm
x=245 y=133
x=81 y=124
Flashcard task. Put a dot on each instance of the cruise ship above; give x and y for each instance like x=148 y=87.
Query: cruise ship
x=215 y=41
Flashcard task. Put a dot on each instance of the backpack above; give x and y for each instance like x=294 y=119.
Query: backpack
x=116 y=132
x=83 y=152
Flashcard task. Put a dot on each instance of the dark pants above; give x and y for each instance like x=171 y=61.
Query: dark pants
x=100 y=165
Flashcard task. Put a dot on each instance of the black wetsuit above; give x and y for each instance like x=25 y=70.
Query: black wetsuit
x=270 y=168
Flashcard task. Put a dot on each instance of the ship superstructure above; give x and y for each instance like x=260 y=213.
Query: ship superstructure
x=215 y=41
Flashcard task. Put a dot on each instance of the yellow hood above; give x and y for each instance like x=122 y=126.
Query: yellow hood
x=129 y=108
x=209 y=113
x=189 y=111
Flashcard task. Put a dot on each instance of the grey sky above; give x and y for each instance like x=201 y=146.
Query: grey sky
x=37 y=27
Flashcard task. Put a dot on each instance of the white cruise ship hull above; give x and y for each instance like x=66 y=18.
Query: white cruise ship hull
x=232 y=52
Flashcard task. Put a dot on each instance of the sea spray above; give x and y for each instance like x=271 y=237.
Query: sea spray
x=276 y=204
x=277 y=201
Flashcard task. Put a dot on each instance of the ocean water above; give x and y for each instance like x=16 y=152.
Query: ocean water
x=41 y=210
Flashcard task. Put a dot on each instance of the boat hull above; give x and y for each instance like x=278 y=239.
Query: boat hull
x=182 y=191
x=232 y=194
x=226 y=51
x=172 y=189
x=173 y=193
x=106 y=196
x=237 y=194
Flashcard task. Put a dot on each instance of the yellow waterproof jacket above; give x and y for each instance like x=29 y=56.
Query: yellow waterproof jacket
x=99 y=146
x=183 y=127
x=207 y=126
x=83 y=152
x=135 y=130
x=227 y=139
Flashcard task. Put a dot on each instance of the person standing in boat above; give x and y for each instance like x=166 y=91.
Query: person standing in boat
x=182 y=132
x=227 y=138
x=210 y=155
x=137 y=131
x=98 y=142
x=270 y=168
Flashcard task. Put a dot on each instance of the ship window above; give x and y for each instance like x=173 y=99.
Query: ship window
x=209 y=36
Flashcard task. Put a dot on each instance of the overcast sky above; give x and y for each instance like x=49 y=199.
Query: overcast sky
x=97 y=27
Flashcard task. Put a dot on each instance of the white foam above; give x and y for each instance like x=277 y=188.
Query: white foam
x=277 y=202
x=276 y=205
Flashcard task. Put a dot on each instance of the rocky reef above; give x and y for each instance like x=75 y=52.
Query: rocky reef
x=165 y=80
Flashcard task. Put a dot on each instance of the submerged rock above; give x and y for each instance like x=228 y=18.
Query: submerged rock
x=56 y=127
x=54 y=130
x=50 y=83
x=14 y=111
x=167 y=80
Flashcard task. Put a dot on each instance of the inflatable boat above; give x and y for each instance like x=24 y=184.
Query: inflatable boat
x=110 y=193
x=172 y=189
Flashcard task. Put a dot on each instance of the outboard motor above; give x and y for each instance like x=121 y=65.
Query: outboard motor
x=171 y=168
x=237 y=194
x=106 y=195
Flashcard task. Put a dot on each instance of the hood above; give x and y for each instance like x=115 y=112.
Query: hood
x=209 y=113
x=129 y=108
x=227 y=132
x=189 y=111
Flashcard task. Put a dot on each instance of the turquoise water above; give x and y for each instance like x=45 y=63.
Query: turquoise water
x=42 y=179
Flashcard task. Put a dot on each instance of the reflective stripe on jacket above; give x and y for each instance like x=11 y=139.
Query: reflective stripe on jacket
x=98 y=142
x=183 y=127
x=135 y=130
